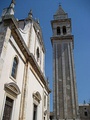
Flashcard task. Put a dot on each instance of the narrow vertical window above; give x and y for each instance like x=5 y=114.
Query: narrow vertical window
x=14 y=67
x=8 y=109
x=44 y=101
x=38 y=55
x=35 y=112
x=58 y=31
x=64 y=30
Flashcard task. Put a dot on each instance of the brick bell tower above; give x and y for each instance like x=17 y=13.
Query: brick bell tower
x=65 y=102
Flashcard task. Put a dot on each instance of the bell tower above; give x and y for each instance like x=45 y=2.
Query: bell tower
x=65 y=102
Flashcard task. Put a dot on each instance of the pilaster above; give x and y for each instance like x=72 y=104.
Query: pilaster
x=57 y=95
x=71 y=79
x=74 y=82
x=23 y=105
x=64 y=83
x=54 y=77
x=5 y=36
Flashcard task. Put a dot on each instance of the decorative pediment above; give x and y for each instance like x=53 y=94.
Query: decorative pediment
x=12 y=88
x=37 y=96
x=45 y=112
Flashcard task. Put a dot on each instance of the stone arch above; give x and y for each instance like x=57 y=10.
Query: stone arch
x=58 y=30
x=64 y=30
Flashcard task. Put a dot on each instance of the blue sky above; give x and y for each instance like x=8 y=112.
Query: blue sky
x=79 y=12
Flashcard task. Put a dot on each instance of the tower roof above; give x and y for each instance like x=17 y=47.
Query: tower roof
x=60 y=13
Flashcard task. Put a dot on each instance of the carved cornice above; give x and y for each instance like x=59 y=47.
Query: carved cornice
x=63 y=38
x=60 y=20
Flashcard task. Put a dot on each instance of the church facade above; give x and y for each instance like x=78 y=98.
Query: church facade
x=24 y=91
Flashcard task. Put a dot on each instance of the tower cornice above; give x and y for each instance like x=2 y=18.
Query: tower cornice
x=61 y=20
x=63 y=39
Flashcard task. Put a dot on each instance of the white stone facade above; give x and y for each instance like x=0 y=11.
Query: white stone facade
x=24 y=89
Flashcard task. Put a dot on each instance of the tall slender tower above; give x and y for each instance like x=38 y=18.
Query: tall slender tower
x=65 y=103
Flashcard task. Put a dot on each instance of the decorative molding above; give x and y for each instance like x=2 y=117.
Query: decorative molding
x=45 y=112
x=37 y=96
x=12 y=88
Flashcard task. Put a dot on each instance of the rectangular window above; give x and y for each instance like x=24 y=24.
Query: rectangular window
x=35 y=112
x=44 y=101
x=85 y=113
x=8 y=109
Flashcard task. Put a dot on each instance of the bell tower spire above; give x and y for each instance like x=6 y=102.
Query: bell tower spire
x=65 y=103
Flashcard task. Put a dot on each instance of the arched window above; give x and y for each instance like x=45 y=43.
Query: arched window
x=64 y=30
x=38 y=55
x=58 y=31
x=36 y=101
x=14 y=67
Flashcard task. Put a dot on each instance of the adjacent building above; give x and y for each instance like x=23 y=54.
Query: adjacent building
x=84 y=110
x=24 y=91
